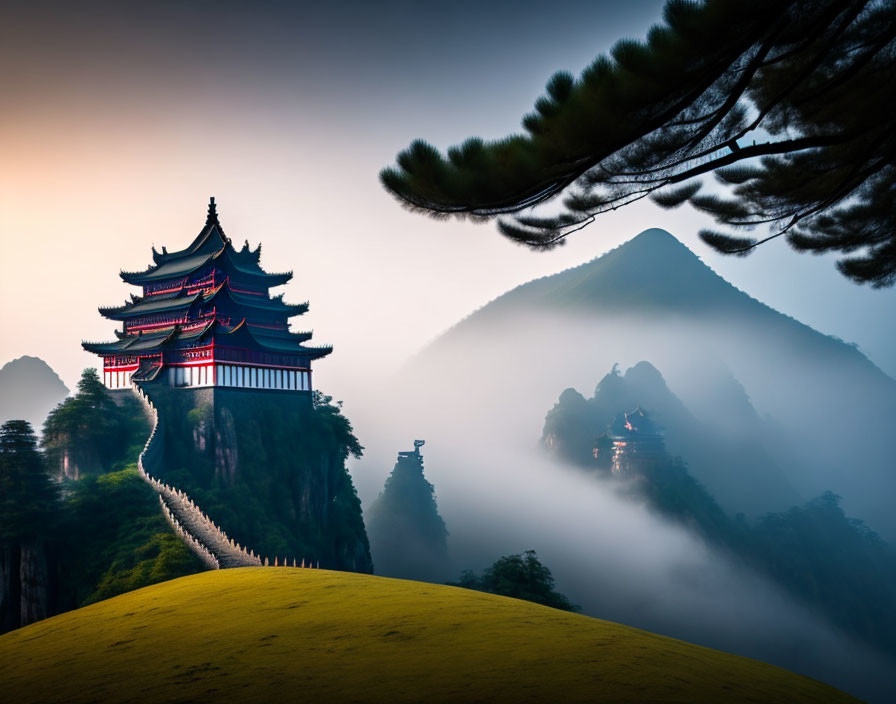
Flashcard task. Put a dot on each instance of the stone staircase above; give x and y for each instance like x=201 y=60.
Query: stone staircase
x=200 y=533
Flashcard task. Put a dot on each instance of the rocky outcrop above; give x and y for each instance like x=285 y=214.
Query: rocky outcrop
x=199 y=532
x=34 y=577
x=26 y=587
x=10 y=588
x=226 y=448
x=268 y=467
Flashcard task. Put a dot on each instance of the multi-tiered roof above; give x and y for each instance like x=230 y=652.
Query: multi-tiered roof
x=208 y=303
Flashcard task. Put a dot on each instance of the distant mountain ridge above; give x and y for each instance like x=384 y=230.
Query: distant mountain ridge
x=743 y=476
x=831 y=409
x=29 y=390
x=651 y=272
x=824 y=558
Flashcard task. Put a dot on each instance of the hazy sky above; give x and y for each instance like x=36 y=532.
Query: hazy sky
x=118 y=123
x=119 y=120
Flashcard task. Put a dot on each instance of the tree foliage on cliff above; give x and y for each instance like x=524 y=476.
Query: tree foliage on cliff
x=787 y=103
x=520 y=576
x=101 y=535
x=270 y=469
x=116 y=539
x=29 y=499
x=836 y=562
x=92 y=430
x=111 y=536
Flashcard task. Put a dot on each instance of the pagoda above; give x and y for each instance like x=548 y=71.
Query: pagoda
x=206 y=318
x=637 y=443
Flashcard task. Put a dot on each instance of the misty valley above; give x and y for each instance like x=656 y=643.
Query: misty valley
x=633 y=439
x=747 y=509
x=415 y=352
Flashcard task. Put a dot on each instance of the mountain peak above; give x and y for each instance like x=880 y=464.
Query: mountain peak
x=653 y=270
x=33 y=366
x=645 y=374
x=29 y=389
x=655 y=235
x=652 y=247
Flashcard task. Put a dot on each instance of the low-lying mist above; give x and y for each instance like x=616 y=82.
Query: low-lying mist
x=830 y=408
x=480 y=402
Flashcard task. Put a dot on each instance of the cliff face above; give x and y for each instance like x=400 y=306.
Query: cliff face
x=269 y=468
x=34 y=576
x=10 y=589
x=25 y=585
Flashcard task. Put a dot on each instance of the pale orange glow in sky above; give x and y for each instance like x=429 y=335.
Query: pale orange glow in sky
x=113 y=146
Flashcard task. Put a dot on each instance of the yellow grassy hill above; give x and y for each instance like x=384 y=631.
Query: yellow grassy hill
x=293 y=635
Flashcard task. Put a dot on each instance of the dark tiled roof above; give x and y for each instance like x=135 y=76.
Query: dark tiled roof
x=225 y=257
x=153 y=305
x=241 y=335
x=150 y=306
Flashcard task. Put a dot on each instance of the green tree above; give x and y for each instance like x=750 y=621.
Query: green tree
x=89 y=432
x=518 y=576
x=787 y=102
x=117 y=539
x=29 y=499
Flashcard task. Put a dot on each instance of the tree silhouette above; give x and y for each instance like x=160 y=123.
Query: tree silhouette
x=519 y=576
x=787 y=103
x=28 y=497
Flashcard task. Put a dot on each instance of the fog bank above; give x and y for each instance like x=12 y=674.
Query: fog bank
x=480 y=403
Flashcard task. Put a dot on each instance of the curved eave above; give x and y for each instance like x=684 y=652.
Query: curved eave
x=249 y=268
x=279 y=279
x=131 y=311
x=317 y=352
x=265 y=279
x=106 y=347
x=297 y=337
x=296 y=349
x=225 y=256
x=271 y=305
x=135 y=277
x=157 y=334
x=172 y=338
x=249 y=255
x=211 y=238
x=243 y=333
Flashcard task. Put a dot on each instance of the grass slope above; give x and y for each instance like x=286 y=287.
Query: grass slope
x=277 y=635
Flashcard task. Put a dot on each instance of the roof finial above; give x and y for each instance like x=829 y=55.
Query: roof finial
x=212 y=218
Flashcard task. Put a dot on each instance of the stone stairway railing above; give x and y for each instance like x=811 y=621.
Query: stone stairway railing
x=195 y=528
